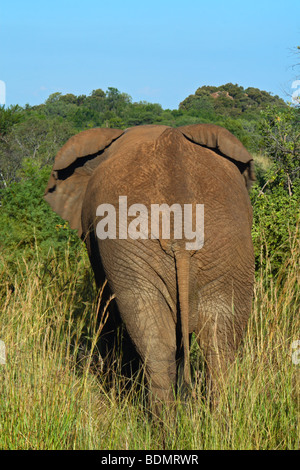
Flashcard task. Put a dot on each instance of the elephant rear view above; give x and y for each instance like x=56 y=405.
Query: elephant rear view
x=166 y=218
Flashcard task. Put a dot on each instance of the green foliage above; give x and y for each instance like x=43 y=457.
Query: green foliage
x=276 y=220
x=8 y=118
x=230 y=100
x=209 y=104
x=280 y=129
x=100 y=109
x=35 y=136
x=276 y=196
x=276 y=200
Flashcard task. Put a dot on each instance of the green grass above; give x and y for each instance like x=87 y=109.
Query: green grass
x=52 y=396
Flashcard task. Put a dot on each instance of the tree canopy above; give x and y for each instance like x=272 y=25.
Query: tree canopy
x=38 y=131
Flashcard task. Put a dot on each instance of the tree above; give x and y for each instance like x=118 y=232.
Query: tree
x=96 y=101
x=116 y=101
x=8 y=118
x=143 y=113
x=230 y=100
x=280 y=130
x=35 y=138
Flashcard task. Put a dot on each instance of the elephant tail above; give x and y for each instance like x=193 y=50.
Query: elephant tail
x=182 y=258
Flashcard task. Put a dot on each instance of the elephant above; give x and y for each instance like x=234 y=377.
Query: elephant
x=165 y=292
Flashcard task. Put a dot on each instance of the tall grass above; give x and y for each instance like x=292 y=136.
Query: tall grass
x=51 y=396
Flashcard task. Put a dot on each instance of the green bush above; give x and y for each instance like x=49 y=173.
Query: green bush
x=281 y=138
x=276 y=199
x=275 y=218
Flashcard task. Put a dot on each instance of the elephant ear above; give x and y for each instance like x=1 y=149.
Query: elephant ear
x=224 y=143
x=72 y=169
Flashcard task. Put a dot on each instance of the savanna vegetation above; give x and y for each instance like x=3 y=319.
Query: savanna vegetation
x=53 y=393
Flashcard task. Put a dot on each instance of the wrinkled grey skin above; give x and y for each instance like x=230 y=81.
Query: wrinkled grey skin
x=164 y=292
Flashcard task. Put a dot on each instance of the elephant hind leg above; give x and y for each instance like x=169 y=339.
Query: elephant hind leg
x=151 y=327
x=218 y=337
x=141 y=278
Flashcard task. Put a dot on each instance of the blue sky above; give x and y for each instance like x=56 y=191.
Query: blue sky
x=158 y=51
